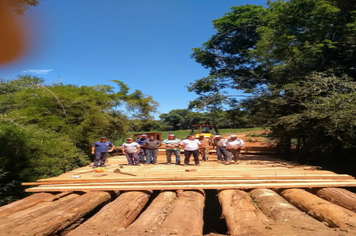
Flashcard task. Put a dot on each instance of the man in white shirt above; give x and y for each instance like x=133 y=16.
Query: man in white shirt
x=131 y=150
x=191 y=147
x=233 y=149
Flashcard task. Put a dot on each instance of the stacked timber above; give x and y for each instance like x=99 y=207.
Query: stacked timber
x=115 y=216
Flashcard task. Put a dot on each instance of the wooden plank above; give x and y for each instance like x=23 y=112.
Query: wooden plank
x=204 y=181
x=201 y=177
x=56 y=188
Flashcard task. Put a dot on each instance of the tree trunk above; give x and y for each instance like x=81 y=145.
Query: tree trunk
x=320 y=209
x=186 y=217
x=151 y=219
x=115 y=216
x=278 y=209
x=21 y=217
x=25 y=203
x=338 y=196
x=241 y=215
x=62 y=217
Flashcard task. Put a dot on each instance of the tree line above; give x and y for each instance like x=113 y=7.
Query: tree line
x=297 y=59
x=46 y=130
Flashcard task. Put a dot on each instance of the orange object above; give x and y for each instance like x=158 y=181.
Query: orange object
x=99 y=169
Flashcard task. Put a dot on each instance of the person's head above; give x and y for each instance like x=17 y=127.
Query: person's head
x=233 y=136
x=152 y=138
x=103 y=139
x=201 y=136
x=191 y=137
x=129 y=140
x=143 y=136
x=171 y=137
x=218 y=137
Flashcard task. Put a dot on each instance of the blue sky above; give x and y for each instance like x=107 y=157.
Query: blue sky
x=144 y=43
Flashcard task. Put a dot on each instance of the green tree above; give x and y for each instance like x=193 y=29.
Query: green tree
x=297 y=59
x=46 y=130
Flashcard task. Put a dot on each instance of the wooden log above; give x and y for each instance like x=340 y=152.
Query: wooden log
x=116 y=216
x=338 y=196
x=277 y=208
x=320 y=209
x=186 y=217
x=62 y=217
x=241 y=215
x=151 y=219
x=25 y=203
x=21 y=217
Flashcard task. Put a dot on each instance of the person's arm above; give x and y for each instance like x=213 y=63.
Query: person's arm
x=123 y=150
x=112 y=148
x=138 y=149
x=92 y=149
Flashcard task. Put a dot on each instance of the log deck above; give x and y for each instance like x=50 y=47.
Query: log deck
x=260 y=195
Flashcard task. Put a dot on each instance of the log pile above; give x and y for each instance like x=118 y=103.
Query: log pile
x=255 y=212
x=256 y=197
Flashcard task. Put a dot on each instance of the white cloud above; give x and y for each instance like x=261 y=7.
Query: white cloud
x=40 y=71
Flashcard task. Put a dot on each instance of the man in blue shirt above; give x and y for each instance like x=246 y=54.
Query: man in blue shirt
x=101 y=149
x=141 y=140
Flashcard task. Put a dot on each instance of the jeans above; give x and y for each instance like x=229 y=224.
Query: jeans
x=233 y=154
x=204 y=152
x=141 y=155
x=187 y=155
x=151 y=155
x=100 y=156
x=169 y=155
x=221 y=153
x=132 y=158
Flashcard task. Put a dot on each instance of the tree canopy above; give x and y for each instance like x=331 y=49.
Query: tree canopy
x=296 y=57
x=46 y=130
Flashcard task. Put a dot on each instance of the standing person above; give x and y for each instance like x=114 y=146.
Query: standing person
x=151 y=145
x=220 y=144
x=131 y=150
x=172 y=147
x=233 y=148
x=101 y=149
x=141 y=140
x=205 y=147
x=191 y=147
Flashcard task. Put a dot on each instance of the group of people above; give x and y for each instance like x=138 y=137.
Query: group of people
x=144 y=150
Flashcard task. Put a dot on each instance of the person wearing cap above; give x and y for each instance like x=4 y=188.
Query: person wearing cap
x=220 y=144
x=233 y=149
x=131 y=150
x=141 y=140
x=172 y=147
x=151 y=146
x=205 y=147
x=101 y=149
x=191 y=147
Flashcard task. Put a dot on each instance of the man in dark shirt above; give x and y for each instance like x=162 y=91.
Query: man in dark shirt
x=101 y=149
x=151 y=145
x=141 y=140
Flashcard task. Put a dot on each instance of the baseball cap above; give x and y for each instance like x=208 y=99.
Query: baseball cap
x=143 y=134
x=129 y=139
x=233 y=136
x=172 y=135
x=217 y=136
x=201 y=135
x=103 y=137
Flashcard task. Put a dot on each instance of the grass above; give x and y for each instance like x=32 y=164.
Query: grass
x=182 y=134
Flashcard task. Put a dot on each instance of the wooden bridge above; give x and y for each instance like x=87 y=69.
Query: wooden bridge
x=261 y=195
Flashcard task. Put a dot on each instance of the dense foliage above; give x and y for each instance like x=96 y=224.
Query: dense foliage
x=297 y=58
x=46 y=130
